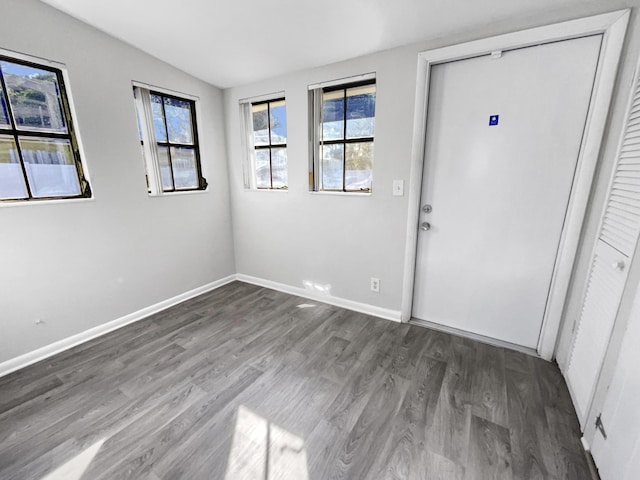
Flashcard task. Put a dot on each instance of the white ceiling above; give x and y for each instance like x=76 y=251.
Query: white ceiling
x=233 y=42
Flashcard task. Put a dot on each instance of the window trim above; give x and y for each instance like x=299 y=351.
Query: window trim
x=316 y=135
x=248 y=147
x=72 y=135
x=142 y=102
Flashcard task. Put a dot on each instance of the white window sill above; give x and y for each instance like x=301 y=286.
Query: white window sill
x=271 y=190
x=343 y=194
x=178 y=193
x=24 y=203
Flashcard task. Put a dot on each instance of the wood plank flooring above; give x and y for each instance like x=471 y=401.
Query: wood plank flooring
x=249 y=383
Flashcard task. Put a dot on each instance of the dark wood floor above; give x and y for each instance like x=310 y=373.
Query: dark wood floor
x=246 y=382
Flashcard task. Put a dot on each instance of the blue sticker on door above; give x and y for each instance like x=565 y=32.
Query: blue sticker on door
x=493 y=120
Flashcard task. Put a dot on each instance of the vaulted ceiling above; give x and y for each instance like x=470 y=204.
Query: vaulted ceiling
x=229 y=43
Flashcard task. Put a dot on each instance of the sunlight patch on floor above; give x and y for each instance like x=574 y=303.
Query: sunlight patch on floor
x=75 y=468
x=261 y=450
x=306 y=305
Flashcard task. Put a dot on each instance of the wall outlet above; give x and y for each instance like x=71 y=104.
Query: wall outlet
x=375 y=284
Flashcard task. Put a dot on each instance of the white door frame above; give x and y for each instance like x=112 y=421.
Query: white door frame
x=613 y=27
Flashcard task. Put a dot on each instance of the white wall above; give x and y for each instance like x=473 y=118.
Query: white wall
x=340 y=240
x=343 y=240
x=77 y=265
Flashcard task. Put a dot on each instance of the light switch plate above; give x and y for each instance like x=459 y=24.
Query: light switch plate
x=398 y=188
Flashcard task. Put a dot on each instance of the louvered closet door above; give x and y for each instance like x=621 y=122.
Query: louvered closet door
x=612 y=256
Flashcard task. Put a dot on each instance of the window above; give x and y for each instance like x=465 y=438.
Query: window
x=169 y=140
x=39 y=155
x=343 y=119
x=266 y=132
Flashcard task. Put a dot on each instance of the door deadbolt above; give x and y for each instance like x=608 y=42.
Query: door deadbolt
x=424 y=226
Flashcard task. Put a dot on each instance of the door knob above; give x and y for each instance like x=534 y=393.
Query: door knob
x=619 y=265
x=427 y=208
x=425 y=226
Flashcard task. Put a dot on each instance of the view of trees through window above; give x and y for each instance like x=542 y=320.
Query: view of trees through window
x=174 y=139
x=37 y=154
x=174 y=135
x=269 y=122
x=346 y=147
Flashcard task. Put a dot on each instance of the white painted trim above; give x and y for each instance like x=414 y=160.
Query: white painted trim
x=32 y=58
x=415 y=186
x=145 y=118
x=47 y=351
x=385 y=313
x=155 y=88
x=176 y=193
x=548 y=33
x=613 y=27
x=76 y=126
x=263 y=98
x=31 y=203
x=27 y=359
x=343 y=81
x=612 y=42
x=341 y=194
x=270 y=190
x=248 y=150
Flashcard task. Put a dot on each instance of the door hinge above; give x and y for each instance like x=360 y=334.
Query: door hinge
x=600 y=426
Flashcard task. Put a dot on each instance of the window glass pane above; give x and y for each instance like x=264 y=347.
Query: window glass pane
x=178 y=114
x=359 y=164
x=279 y=167
x=158 y=118
x=278 y=122
x=361 y=109
x=185 y=173
x=263 y=169
x=333 y=115
x=11 y=178
x=4 y=114
x=332 y=165
x=165 y=168
x=260 y=124
x=51 y=170
x=34 y=95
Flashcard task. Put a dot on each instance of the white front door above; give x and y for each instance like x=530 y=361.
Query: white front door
x=503 y=138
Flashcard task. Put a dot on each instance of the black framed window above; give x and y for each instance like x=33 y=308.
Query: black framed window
x=172 y=154
x=39 y=154
x=269 y=134
x=346 y=132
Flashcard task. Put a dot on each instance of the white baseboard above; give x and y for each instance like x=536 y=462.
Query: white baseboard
x=61 y=345
x=388 y=314
x=27 y=359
